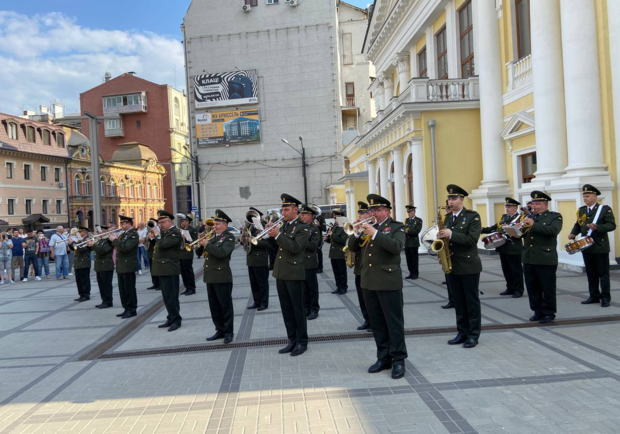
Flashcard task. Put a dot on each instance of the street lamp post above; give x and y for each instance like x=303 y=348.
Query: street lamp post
x=303 y=164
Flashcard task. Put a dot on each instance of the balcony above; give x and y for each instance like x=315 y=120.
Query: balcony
x=114 y=132
x=350 y=101
x=519 y=73
x=125 y=104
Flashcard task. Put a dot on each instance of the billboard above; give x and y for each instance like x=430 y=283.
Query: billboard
x=229 y=127
x=226 y=89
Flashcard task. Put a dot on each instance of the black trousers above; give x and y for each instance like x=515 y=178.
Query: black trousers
x=385 y=309
x=311 y=292
x=340 y=274
x=597 y=270
x=221 y=306
x=127 y=290
x=466 y=299
x=540 y=281
x=82 y=280
x=187 y=274
x=319 y=255
x=259 y=282
x=272 y=258
x=448 y=288
x=104 y=280
x=170 y=294
x=291 y=295
x=360 y=297
x=513 y=272
x=154 y=279
x=411 y=254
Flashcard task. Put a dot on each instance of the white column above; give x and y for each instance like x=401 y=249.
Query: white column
x=372 y=180
x=491 y=105
x=413 y=63
x=399 y=185
x=402 y=63
x=431 y=55
x=388 y=91
x=613 y=16
x=548 y=89
x=350 y=201
x=452 y=39
x=584 y=130
x=383 y=176
x=419 y=190
x=378 y=97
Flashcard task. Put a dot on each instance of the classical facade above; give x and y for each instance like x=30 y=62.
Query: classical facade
x=501 y=97
x=33 y=159
x=131 y=182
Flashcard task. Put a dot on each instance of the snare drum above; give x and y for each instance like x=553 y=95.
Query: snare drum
x=494 y=240
x=579 y=245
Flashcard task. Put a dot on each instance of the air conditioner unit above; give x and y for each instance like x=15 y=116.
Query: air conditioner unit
x=246 y=8
x=61 y=185
x=293 y=2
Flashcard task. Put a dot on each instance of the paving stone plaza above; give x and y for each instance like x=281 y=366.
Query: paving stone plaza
x=68 y=367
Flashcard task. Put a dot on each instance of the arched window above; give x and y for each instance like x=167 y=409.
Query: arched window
x=155 y=192
x=177 y=107
x=77 y=185
x=133 y=213
x=103 y=216
x=148 y=191
x=102 y=188
x=139 y=192
x=140 y=217
x=112 y=188
x=122 y=188
x=113 y=217
x=130 y=188
x=87 y=184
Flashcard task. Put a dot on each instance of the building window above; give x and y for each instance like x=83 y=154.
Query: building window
x=122 y=188
x=467 y=40
x=58 y=206
x=57 y=174
x=9 y=170
x=30 y=134
x=11 y=205
x=524 y=47
x=177 y=107
x=102 y=189
x=251 y=2
x=155 y=192
x=528 y=167
x=113 y=188
x=77 y=185
x=148 y=191
x=113 y=216
x=44 y=204
x=12 y=131
x=103 y=216
x=139 y=192
x=121 y=101
x=43 y=173
x=60 y=140
x=442 y=54
x=273 y=2
x=350 y=94
x=46 y=137
x=113 y=124
x=347 y=45
x=422 y=63
x=130 y=188
x=87 y=186
x=140 y=216
x=27 y=171
x=28 y=206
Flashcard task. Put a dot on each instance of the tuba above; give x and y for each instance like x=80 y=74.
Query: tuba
x=441 y=246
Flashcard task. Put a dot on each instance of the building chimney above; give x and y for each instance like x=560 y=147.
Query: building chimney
x=131 y=73
x=107 y=76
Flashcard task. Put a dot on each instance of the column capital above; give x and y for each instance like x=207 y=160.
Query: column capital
x=396 y=151
x=383 y=157
x=401 y=61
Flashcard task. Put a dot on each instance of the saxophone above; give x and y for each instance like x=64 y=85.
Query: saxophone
x=441 y=246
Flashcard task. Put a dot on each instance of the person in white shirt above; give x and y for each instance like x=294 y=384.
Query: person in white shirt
x=142 y=255
x=59 y=253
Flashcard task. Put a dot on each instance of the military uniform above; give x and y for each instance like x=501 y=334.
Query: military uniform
x=149 y=254
x=540 y=261
x=126 y=266
x=319 y=251
x=466 y=268
x=290 y=276
x=596 y=257
x=166 y=266
x=258 y=270
x=81 y=265
x=104 y=268
x=337 y=240
x=510 y=254
x=311 y=264
x=382 y=284
x=413 y=226
x=219 y=280
x=186 y=259
x=357 y=271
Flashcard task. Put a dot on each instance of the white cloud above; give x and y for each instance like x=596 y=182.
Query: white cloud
x=44 y=58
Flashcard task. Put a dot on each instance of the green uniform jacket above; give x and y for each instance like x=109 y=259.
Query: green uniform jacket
x=514 y=248
x=217 y=263
x=103 y=255
x=184 y=254
x=338 y=240
x=540 y=243
x=167 y=253
x=126 y=247
x=464 y=242
x=357 y=270
x=413 y=234
x=82 y=258
x=152 y=244
x=259 y=254
x=290 y=248
x=380 y=258
x=606 y=222
x=311 y=260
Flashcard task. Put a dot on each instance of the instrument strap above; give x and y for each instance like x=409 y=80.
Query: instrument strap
x=598 y=213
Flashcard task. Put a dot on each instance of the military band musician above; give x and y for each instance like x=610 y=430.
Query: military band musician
x=126 y=245
x=186 y=257
x=311 y=284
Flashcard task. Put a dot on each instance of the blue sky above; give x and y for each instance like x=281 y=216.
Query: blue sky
x=50 y=51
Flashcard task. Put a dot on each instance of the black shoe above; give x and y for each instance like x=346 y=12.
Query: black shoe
x=517 y=295
x=470 y=343
x=164 y=325
x=336 y=291
x=414 y=277
x=398 y=371
x=444 y=283
x=99 y=306
x=192 y=292
x=228 y=338
x=262 y=308
x=175 y=326
x=104 y=305
x=183 y=293
x=299 y=350
x=343 y=292
x=506 y=292
x=379 y=366
x=122 y=314
x=546 y=319
x=84 y=298
x=591 y=300
x=409 y=277
x=450 y=305
x=605 y=303
x=459 y=339
x=536 y=317
x=313 y=315
x=364 y=326
x=369 y=330
x=287 y=349
x=254 y=306
x=153 y=287
x=78 y=299
x=216 y=336
x=129 y=315
x=319 y=271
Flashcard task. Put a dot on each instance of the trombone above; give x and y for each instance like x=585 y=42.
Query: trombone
x=91 y=237
x=208 y=234
x=265 y=232
x=351 y=228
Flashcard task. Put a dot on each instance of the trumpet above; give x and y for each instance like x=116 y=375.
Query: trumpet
x=351 y=228
x=265 y=232
x=208 y=234
x=91 y=237
x=73 y=238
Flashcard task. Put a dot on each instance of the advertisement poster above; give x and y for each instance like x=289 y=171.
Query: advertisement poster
x=226 y=89
x=228 y=127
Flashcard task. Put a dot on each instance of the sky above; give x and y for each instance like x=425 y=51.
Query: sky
x=50 y=51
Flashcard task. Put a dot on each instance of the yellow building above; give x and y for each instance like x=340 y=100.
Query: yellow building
x=501 y=97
